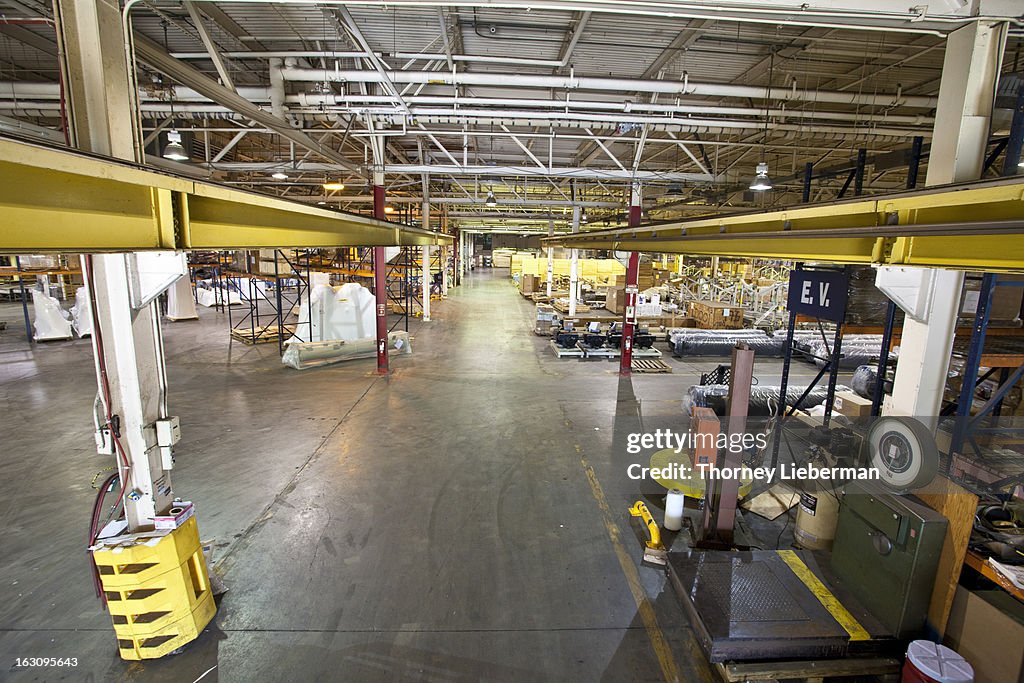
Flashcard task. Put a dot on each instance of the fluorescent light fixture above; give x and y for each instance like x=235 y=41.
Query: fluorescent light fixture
x=334 y=186
x=174 y=150
x=491 y=199
x=279 y=175
x=761 y=181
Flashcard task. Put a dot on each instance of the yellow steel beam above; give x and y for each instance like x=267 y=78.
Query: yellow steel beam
x=54 y=200
x=977 y=226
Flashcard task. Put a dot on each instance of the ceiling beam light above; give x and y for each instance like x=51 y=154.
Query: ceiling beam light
x=761 y=181
x=279 y=175
x=334 y=186
x=174 y=149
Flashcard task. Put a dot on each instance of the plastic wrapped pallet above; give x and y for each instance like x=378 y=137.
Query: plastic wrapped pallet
x=764 y=400
x=854 y=352
x=697 y=342
x=305 y=355
x=723 y=346
x=866 y=305
x=864 y=381
x=51 y=321
x=81 y=313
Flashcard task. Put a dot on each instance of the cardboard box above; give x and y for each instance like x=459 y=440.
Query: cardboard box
x=713 y=315
x=987 y=628
x=615 y=300
x=851 y=405
x=1006 y=301
x=528 y=284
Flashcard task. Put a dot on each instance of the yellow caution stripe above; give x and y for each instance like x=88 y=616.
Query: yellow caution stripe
x=824 y=595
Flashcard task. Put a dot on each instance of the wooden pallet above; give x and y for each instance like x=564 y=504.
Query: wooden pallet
x=264 y=335
x=651 y=366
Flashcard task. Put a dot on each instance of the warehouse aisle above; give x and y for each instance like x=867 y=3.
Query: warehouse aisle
x=436 y=525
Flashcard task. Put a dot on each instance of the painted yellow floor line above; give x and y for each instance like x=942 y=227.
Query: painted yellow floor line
x=654 y=632
x=824 y=595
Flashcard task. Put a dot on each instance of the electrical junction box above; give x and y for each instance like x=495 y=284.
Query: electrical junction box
x=168 y=432
x=886 y=553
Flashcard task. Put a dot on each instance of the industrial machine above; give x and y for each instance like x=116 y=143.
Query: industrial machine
x=863 y=601
x=643 y=339
x=886 y=553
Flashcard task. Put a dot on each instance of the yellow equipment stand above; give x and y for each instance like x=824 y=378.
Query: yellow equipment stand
x=157 y=589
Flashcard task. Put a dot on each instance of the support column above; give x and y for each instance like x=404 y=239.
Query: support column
x=425 y=224
x=551 y=257
x=443 y=254
x=126 y=341
x=574 y=263
x=966 y=94
x=380 y=267
x=632 y=277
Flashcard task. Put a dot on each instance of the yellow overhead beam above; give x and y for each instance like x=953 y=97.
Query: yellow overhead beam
x=976 y=226
x=54 y=200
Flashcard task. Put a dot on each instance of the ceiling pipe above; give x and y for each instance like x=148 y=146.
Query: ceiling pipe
x=329 y=99
x=275 y=95
x=485 y=171
x=329 y=54
x=195 y=111
x=619 y=85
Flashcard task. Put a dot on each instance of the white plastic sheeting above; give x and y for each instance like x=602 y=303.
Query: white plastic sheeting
x=305 y=355
x=51 y=320
x=210 y=297
x=347 y=313
x=180 y=304
x=81 y=313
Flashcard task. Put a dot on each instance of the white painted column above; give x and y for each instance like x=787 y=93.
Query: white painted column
x=574 y=258
x=551 y=257
x=969 y=74
x=126 y=337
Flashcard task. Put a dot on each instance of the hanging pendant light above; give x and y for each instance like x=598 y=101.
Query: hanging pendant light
x=761 y=181
x=491 y=199
x=174 y=150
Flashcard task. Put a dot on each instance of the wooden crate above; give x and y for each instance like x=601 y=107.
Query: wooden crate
x=562 y=307
x=714 y=315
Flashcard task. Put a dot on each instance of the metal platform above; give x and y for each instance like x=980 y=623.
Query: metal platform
x=603 y=352
x=646 y=353
x=561 y=352
x=752 y=606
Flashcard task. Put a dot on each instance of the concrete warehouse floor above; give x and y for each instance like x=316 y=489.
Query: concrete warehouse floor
x=437 y=525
